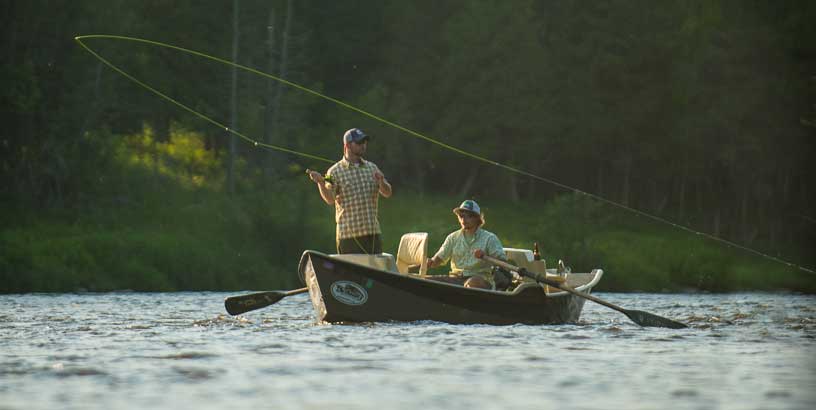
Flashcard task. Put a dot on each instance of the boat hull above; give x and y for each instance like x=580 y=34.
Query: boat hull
x=342 y=291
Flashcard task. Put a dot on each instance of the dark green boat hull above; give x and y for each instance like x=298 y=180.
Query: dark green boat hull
x=342 y=292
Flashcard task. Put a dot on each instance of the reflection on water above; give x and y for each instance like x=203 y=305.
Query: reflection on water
x=180 y=350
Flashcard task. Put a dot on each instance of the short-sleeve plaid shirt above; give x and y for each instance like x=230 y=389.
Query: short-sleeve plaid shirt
x=356 y=194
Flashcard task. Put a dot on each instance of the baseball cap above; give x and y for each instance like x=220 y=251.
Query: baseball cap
x=470 y=206
x=355 y=135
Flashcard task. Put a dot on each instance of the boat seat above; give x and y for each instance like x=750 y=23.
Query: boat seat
x=524 y=258
x=412 y=254
x=518 y=257
x=382 y=261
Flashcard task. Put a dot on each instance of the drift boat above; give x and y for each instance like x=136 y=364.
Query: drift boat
x=380 y=288
x=372 y=288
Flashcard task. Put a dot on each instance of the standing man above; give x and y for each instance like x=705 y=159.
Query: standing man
x=354 y=185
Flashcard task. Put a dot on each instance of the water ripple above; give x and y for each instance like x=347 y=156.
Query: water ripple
x=742 y=351
x=186 y=356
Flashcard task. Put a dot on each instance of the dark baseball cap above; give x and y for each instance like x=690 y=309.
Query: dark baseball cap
x=355 y=135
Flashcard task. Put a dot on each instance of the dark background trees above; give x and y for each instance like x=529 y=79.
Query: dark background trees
x=699 y=112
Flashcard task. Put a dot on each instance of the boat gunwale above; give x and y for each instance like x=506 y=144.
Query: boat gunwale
x=596 y=272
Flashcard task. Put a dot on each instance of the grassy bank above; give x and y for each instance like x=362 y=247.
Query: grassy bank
x=173 y=240
x=176 y=239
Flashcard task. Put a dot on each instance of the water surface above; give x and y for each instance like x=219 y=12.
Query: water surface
x=180 y=350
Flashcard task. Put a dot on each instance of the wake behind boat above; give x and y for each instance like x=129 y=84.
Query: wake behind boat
x=371 y=288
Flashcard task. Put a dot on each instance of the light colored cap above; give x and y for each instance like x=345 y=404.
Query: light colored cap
x=470 y=206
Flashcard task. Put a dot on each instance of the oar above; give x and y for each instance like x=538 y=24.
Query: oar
x=638 y=316
x=236 y=305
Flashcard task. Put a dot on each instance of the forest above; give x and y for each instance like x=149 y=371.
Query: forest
x=669 y=143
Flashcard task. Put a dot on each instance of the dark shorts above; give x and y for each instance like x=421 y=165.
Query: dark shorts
x=361 y=244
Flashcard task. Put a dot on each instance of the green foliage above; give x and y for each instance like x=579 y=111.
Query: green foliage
x=204 y=241
x=700 y=112
x=183 y=157
x=179 y=243
x=165 y=226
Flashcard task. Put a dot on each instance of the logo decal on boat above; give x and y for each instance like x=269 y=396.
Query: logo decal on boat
x=349 y=293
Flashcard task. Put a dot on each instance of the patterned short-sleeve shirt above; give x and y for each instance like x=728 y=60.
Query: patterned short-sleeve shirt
x=356 y=194
x=459 y=248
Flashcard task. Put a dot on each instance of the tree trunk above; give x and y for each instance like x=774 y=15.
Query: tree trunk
x=786 y=200
x=743 y=218
x=627 y=176
x=512 y=182
x=681 y=200
x=93 y=107
x=275 y=90
x=233 y=100
x=271 y=86
x=161 y=133
x=661 y=198
x=513 y=187
x=421 y=175
x=467 y=187
x=716 y=223
x=600 y=180
x=283 y=68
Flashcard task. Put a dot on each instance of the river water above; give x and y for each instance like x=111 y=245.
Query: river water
x=180 y=350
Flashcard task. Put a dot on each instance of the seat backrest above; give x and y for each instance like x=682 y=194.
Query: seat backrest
x=519 y=257
x=413 y=252
x=381 y=261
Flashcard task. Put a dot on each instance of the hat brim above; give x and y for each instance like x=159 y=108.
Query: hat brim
x=366 y=138
x=457 y=210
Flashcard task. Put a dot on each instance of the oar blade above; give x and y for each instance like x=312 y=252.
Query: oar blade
x=236 y=305
x=647 y=319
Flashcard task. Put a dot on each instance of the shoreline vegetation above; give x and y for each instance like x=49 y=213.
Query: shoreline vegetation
x=177 y=239
x=121 y=165
x=207 y=242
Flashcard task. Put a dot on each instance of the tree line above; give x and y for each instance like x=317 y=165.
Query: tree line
x=701 y=112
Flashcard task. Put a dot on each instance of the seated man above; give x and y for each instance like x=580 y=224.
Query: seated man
x=461 y=247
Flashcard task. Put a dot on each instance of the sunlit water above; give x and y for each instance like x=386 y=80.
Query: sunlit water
x=180 y=350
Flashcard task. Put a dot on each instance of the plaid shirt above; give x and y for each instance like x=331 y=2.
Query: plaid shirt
x=355 y=198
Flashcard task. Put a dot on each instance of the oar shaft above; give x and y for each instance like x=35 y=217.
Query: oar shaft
x=500 y=263
x=297 y=291
x=541 y=277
